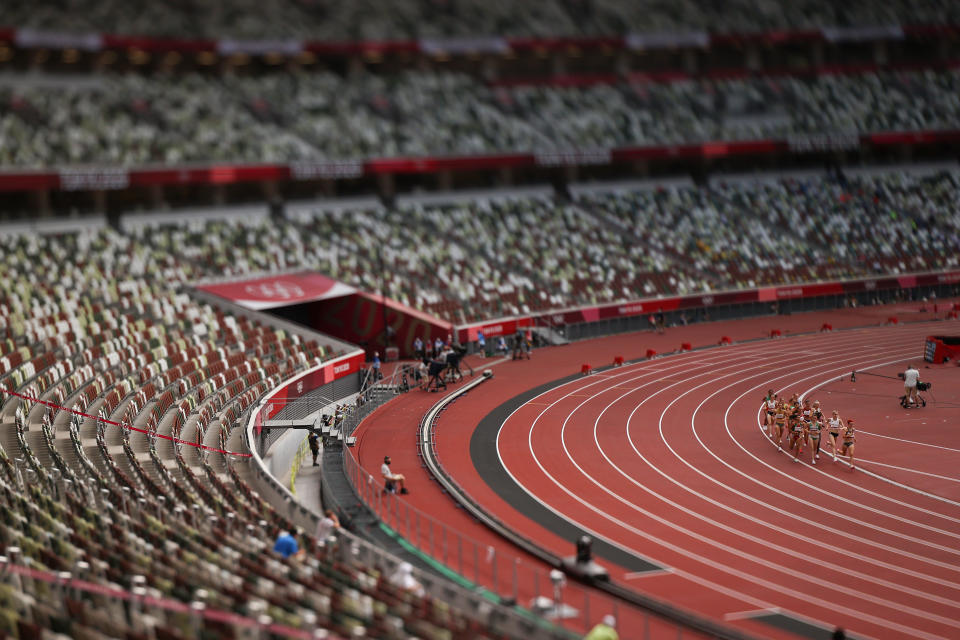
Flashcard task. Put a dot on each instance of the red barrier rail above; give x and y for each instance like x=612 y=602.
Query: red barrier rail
x=36 y=38
x=113 y=178
x=53 y=405
x=507 y=326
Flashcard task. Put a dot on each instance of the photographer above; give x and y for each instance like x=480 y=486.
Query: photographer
x=911 y=377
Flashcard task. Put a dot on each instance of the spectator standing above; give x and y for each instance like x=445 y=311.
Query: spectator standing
x=377 y=375
x=502 y=346
x=481 y=343
x=437 y=346
x=328 y=525
x=314 y=441
x=418 y=349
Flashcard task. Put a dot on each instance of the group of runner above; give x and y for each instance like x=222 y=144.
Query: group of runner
x=802 y=422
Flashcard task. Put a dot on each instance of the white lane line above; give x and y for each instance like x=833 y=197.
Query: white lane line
x=791 y=496
x=932 y=496
x=807 y=597
x=760 y=541
x=677 y=363
x=757 y=540
x=922 y=444
x=692 y=577
x=547 y=506
x=633 y=575
x=871 y=462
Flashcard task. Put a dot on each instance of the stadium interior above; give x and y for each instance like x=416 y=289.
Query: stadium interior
x=224 y=223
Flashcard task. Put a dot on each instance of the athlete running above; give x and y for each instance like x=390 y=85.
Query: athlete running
x=780 y=420
x=849 y=439
x=818 y=416
x=813 y=436
x=797 y=428
x=835 y=423
x=770 y=403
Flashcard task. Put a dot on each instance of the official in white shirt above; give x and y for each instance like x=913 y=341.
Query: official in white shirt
x=910 y=379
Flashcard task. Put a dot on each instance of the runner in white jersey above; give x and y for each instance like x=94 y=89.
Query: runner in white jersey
x=818 y=416
x=770 y=408
x=835 y=423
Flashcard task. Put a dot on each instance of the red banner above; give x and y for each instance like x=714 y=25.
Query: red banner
x=310 y=380
x=506 y=326
x=280 y=290
x=493 y=329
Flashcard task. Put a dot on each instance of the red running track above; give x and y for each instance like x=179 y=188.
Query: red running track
x=666 y=459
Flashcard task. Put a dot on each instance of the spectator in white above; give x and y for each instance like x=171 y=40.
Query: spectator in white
x=418 y=348
x=328 y=525
x=403 y=579
x=502 y=345
x=392 y=480
x=437 y=346
x=606 y=629
x=377 y=375
x=910 y=379
x=481 y=343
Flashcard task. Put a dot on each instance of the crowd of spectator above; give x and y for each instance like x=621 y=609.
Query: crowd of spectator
x=133 y=120
x=411 y=19
x=108 y=532
x=798 y=230
x=98 y=321
x=491 y=258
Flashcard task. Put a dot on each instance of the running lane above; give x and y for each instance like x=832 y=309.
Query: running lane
x=666 y=460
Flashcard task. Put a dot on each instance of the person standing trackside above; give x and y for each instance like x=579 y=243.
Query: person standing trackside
x=481 y=344
x=377 y=375
x=314 y=441
x=328 y=525
x=910 y=379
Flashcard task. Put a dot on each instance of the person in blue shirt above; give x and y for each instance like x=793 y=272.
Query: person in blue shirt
x=376 y=366
x=286 y=544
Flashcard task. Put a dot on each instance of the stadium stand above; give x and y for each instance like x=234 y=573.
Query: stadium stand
x=507 y=256
x=329 y=20
x=134 y=512
x=129 y=506
x=131 y=120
